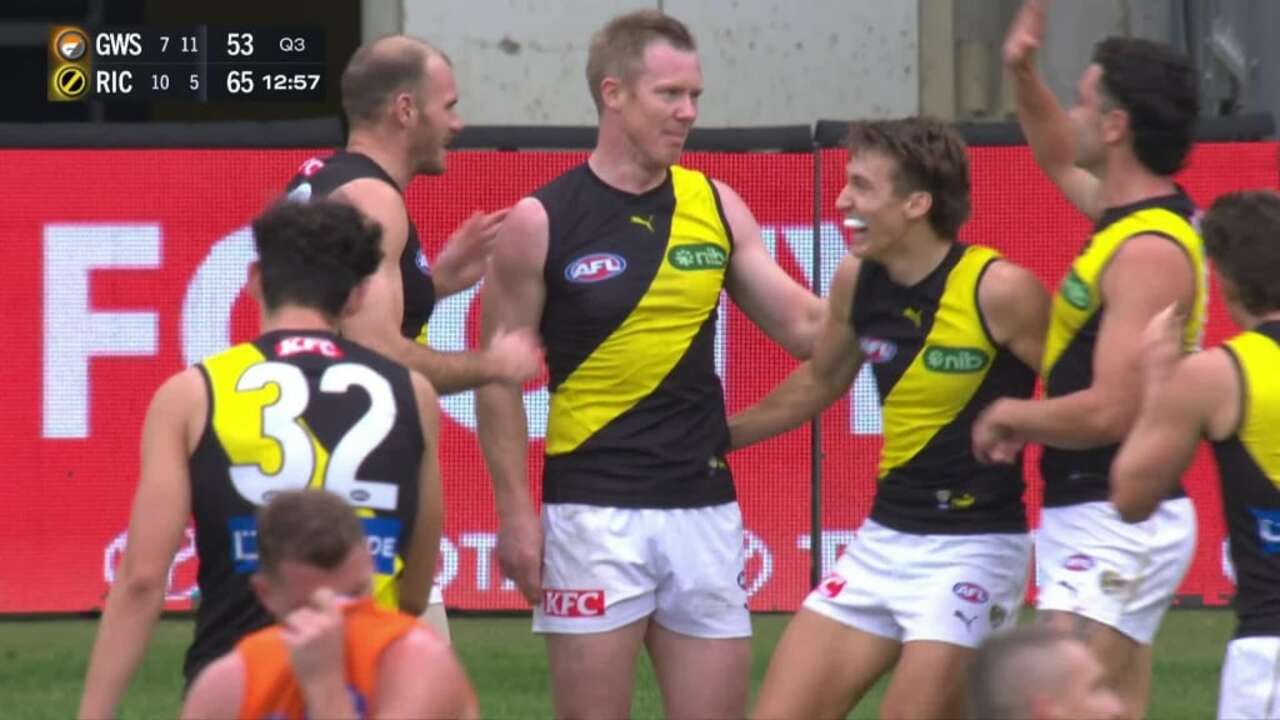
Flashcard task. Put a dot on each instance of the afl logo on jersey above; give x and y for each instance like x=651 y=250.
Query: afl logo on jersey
x=421 y=261
x=877 y=350
x=595 y=268
x=310 y=167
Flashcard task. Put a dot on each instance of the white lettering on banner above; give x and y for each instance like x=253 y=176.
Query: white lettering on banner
x=212 y=294
x=73 y=332
x=447 y=563
x=115 y=552
x=754 y=547
x=833 y=542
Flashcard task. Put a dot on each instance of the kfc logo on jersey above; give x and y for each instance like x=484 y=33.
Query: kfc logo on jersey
x=594 y=268
x=970 y=592
x=310 y=167
x=1078 y=563
x=877 y=350
x=318 y=346
x=573 y=603
x=831 y=585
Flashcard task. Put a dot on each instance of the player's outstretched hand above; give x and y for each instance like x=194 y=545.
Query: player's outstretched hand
x=462 y=262
x=1025 y=36
x=520 y=554
x=514 y=356
x=313 y=634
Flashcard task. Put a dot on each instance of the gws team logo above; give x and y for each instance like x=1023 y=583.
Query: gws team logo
x=421 y=261
x=698 y=256
x=954 y=360
x=877 y=351
x=970 y=592
x=594 y=268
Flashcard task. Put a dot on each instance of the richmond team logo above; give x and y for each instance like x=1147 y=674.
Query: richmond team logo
x=594 y=268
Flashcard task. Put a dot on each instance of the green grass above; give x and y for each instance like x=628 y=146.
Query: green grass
x=42 y=666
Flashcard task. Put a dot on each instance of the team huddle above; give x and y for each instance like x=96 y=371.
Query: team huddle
x=309 y=456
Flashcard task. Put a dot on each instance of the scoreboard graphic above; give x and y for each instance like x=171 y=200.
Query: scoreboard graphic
x=200 y=63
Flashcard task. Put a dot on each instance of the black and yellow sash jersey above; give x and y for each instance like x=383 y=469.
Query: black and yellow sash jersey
x=633 y=284
x=290 y=410
x=318 y=177
x=1079 y=476
x=936 y=367
x=1249 y=465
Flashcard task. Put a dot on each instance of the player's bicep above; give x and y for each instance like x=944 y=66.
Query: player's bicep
x=514 y=288
x=1016 y=309
x=377 y=321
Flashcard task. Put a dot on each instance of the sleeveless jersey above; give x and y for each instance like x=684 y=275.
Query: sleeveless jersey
x=1249 y=465
x=633 y=285
x=317 y=178
x=1079 y=476
x=290 y=410
x=936 y=367
x=272 y=691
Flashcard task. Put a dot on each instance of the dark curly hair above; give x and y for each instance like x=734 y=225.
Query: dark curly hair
x=1242 y=236
x=1157 y=86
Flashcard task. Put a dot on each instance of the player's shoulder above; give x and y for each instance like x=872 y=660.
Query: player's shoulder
x=1006 y=281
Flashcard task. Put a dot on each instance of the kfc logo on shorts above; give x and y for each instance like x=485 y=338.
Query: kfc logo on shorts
x=831 y=585
x=970 y=592
x=595 y=268
x=1078 y=563
x=298 y=345
x=877 y=350
x=573 y=603
x=310 y=167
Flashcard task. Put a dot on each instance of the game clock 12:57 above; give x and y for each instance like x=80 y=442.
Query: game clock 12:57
x=273 y=82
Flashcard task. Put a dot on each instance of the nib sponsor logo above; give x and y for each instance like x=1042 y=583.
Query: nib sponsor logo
x=573 y=603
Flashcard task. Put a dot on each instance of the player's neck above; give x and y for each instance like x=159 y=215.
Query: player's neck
x=619 y=164
x=915 y=256
x=1126 y=181
x=394 y=163
x=292 y=317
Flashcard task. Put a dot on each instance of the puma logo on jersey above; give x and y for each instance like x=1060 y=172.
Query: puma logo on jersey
x=646 y=223
x=913 y=315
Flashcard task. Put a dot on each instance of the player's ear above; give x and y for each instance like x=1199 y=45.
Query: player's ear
x=919 y=203
x=254 y=286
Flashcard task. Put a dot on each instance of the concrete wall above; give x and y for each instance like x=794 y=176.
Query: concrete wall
x=764 y=61
x=1074 y=27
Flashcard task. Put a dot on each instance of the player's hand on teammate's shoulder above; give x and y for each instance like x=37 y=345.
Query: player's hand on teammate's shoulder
x=465 y=256
x=1025 y=35
x=313 y=634
x=514 y=356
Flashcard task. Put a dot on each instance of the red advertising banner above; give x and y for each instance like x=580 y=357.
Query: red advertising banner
x=123 y=266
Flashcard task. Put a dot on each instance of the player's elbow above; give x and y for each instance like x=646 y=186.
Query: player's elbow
x=1130 y=502
x=413 y=605
x=1131 y=509
x=141 y=585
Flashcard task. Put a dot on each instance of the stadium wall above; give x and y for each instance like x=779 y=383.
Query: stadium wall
x=125 y=253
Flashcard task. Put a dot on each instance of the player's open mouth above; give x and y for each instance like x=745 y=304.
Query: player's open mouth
x=854 y=224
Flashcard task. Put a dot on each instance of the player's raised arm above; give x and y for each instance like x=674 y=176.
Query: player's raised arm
x=513 y=298
x=1044 y=122
x=161 y=506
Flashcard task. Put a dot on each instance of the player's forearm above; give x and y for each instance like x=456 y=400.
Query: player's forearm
x=504 y=440
x=131 y=611
x=449 y=372
x=800 y=397
x=1044 y=122
x=1077 y=421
